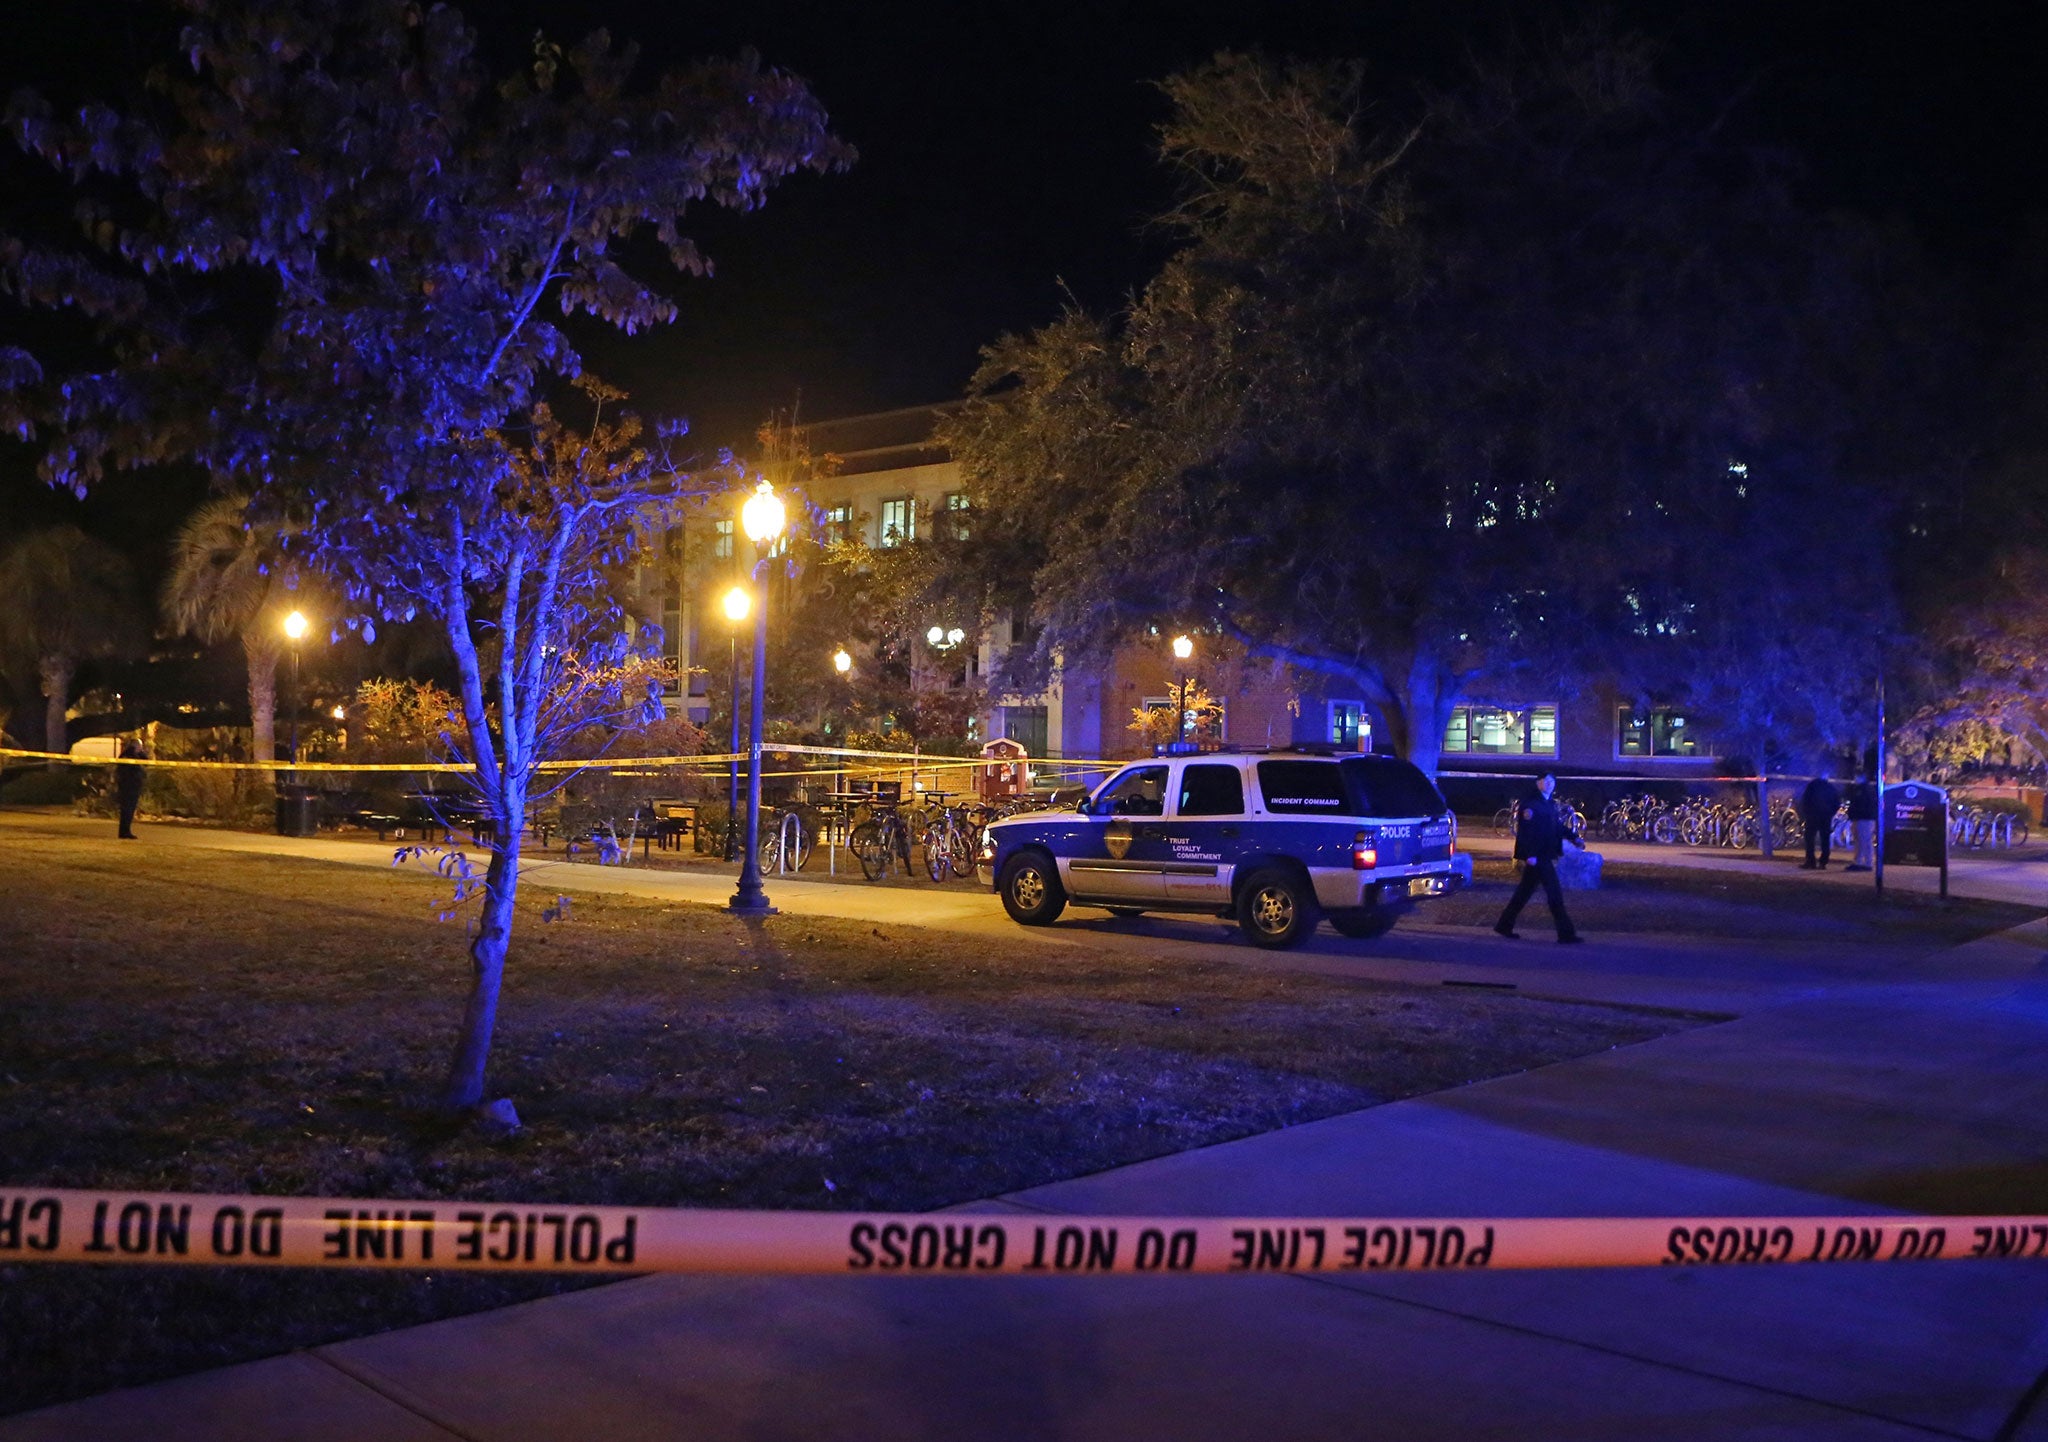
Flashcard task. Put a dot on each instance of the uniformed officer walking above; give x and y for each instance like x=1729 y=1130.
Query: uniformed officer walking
x=128 y=786
x=1540 y=834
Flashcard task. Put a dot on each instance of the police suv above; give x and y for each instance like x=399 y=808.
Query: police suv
x=1274 y=839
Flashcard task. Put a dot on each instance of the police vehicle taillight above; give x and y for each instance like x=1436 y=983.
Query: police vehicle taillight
x=1365 y=854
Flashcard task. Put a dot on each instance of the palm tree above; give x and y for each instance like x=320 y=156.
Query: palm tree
x=228 y=578
x=65 y=599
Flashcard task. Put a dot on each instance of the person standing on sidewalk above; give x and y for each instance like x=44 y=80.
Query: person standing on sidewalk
x=1863 y=822
x=128 y=786
x=1817 y=806
x=1540 y=834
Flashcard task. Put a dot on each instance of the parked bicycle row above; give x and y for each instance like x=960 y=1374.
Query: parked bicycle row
x=1703 y=821
x=883 y=833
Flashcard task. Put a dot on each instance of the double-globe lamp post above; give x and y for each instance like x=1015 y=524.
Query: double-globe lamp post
x=761 y=518
x=737 y=604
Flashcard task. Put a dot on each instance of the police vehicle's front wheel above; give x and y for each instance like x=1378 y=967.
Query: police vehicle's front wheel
x=1031 y=890
x=1276 y=908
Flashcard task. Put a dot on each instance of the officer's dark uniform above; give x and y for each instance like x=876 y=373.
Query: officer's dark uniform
x=1817 y=805
x=128 y=788
x=1540 y=835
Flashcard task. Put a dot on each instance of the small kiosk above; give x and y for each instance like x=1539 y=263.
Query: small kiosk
x=1004 y=772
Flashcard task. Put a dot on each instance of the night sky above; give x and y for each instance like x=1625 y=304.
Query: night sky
x=1005 y=158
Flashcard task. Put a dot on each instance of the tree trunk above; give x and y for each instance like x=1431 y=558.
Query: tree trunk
x=1428 y=704
x=262 y=700
x=56 y=676
x=487 y=959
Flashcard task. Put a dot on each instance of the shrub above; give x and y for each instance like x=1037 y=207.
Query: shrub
x=42 y=787
x=225 y=797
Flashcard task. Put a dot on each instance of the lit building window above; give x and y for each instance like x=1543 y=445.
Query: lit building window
x=899 y=521
x=1347 y=720
x=839 y=522
x=721 y=540
x=956 y=507
x=1502 y=731
x=1659 y=731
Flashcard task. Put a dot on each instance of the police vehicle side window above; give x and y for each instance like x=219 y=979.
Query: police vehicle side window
x=1211 y=791
x=1388 y=786
x=1140 y=791
x=1302 y=788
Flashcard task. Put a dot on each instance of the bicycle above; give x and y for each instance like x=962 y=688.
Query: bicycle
x=881 y=841
x=1570 y=813
x=950 y=844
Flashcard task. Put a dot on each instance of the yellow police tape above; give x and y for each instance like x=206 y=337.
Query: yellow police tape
x=892 y=761
x=56 y=1225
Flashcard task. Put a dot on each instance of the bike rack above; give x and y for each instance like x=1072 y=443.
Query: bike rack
x=792 y=838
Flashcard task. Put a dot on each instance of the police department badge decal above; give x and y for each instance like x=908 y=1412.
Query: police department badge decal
x=1117 y=838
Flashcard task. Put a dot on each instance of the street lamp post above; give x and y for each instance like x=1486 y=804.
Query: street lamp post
x=1183 y=648
x=295 y=626
x=761 y=518
x=737 y=604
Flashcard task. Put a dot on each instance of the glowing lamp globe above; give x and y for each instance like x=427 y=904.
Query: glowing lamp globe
x=841 y=662
x=295 y=626
x=737 y=604
x=761 y=517
x=1183 y=648
x=935 y=635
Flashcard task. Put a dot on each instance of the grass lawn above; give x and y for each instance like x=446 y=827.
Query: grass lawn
x=189 y=1020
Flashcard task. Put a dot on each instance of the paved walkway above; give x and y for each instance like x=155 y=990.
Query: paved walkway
x=2019 y=876
x=1905 y=1082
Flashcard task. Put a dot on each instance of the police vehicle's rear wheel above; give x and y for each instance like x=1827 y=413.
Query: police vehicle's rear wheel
x=1125 y=913
x=1276 y=908
x=1031 y=890
x=1364 y=923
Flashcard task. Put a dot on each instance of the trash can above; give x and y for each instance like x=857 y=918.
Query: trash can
x=1579 y=870
x=298 y=811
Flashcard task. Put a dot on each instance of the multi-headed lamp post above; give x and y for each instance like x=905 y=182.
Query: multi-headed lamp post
x=761 y=518
x=295 y=628
x=1183 y=649
x=737 y=604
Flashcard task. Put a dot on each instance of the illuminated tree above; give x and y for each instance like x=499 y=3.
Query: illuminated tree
x=329 y=259
x=1438 y=394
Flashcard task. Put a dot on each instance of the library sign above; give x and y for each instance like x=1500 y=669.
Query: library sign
x=1913 y=827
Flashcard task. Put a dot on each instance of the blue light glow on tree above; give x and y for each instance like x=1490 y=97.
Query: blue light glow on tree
x=328 y=259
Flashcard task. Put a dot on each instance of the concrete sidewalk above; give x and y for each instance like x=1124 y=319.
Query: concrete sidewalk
x=2019 y=876
x=1928 y=1097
